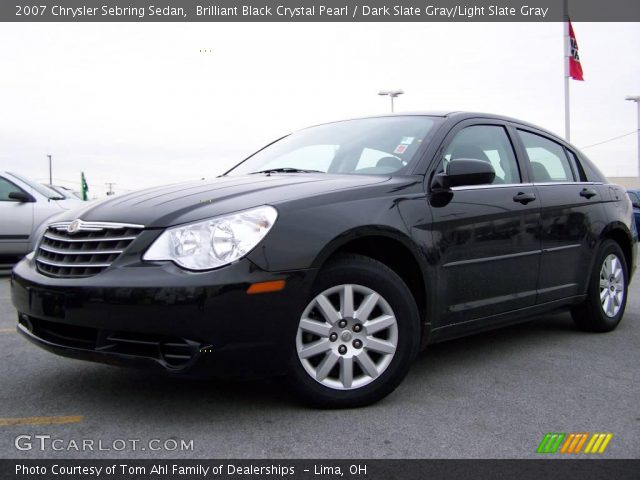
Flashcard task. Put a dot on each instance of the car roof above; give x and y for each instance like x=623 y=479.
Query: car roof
x=464 y=115
x=461 y=115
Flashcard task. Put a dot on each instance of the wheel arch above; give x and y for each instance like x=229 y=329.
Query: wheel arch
x=393 y=248
x=619 y=233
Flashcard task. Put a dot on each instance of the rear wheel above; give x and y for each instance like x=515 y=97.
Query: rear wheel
x=607 y=292
x=357 y=336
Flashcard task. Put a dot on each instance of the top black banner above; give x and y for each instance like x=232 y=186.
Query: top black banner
x=318 y=11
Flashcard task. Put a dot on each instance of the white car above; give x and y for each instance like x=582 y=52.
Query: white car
x=65 y=191
x=24 y=205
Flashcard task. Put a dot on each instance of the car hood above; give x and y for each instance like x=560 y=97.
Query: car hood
x=188 y=202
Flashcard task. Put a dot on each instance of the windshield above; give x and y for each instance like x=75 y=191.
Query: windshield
x=65 y=192
x=47 y=192
x=62 y=191
x=367 y=146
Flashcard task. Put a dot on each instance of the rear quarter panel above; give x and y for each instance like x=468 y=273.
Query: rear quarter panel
x=619 y=216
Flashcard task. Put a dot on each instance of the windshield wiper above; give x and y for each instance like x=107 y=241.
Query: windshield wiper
x=287 y=170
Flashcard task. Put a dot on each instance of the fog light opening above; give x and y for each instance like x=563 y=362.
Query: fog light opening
x=25 y=322
x=177 y=352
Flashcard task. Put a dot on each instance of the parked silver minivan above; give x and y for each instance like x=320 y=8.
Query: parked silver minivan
x=24 y=205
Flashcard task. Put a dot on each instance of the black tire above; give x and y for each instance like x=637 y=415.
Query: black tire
x=357 y=270
x=590 y=315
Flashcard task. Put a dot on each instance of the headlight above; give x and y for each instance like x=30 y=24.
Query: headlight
x=215 y=242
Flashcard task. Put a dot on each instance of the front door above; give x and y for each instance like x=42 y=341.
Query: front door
x=16 y=221
x=486 y=236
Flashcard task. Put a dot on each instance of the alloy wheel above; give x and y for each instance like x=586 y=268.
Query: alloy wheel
x=347 y=337
x=611 y=285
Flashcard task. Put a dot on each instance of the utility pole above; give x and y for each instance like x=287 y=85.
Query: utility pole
x=110 y=185
x=50 y=171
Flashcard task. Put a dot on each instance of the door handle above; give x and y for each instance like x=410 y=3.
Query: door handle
x=588 y=193
x=524 y=198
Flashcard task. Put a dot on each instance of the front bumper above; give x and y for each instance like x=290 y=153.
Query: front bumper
x=161 y=317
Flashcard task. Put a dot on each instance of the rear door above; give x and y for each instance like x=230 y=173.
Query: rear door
x=16 y=220
x=570 y=207
x=486 y=235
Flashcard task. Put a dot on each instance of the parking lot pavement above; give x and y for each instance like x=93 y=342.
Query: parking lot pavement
x=492 y=395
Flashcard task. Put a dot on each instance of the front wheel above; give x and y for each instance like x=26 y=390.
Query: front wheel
x=357 y=336
x=607 y=292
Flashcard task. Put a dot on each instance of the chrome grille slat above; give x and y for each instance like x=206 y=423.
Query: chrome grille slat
x=80 y=252
x=83 y=249
x=73 y=265
x=95 y=226
x=96 y=239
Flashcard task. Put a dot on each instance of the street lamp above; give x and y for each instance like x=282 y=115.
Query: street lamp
x=50 y=172
x=392 y=94
x=637 y=100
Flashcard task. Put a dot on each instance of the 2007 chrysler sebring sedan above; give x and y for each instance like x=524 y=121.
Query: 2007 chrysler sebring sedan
x=334 y=254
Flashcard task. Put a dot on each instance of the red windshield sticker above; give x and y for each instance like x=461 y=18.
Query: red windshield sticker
x=400 y=149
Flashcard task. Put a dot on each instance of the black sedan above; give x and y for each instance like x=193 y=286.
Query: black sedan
x=335 y=254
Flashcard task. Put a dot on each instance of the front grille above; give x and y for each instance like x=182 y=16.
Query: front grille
x=172 y=352
x=83 y=249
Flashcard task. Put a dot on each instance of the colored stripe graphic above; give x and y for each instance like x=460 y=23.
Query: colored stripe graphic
x=573 y=442
x=567 y=443
x=581 y=442
x=598 y=443
x=550 y=442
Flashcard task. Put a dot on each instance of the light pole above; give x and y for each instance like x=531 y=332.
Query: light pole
x=50 y=175
x=392 y=94
x=637 y=100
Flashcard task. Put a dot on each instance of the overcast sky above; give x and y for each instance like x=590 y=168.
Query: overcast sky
x=145 y=104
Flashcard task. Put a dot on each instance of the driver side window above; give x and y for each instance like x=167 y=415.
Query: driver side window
x=6 y=187
x=489 y=143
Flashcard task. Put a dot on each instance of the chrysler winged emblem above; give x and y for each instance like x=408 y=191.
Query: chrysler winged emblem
x=74 y=226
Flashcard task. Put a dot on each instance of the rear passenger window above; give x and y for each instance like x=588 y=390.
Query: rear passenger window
x=549 y=162
x=577 y=168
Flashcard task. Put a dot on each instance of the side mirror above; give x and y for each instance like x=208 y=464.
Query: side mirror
x=22 y=197
x=464 y=171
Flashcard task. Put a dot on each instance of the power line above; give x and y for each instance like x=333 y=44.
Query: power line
x=611 y=139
